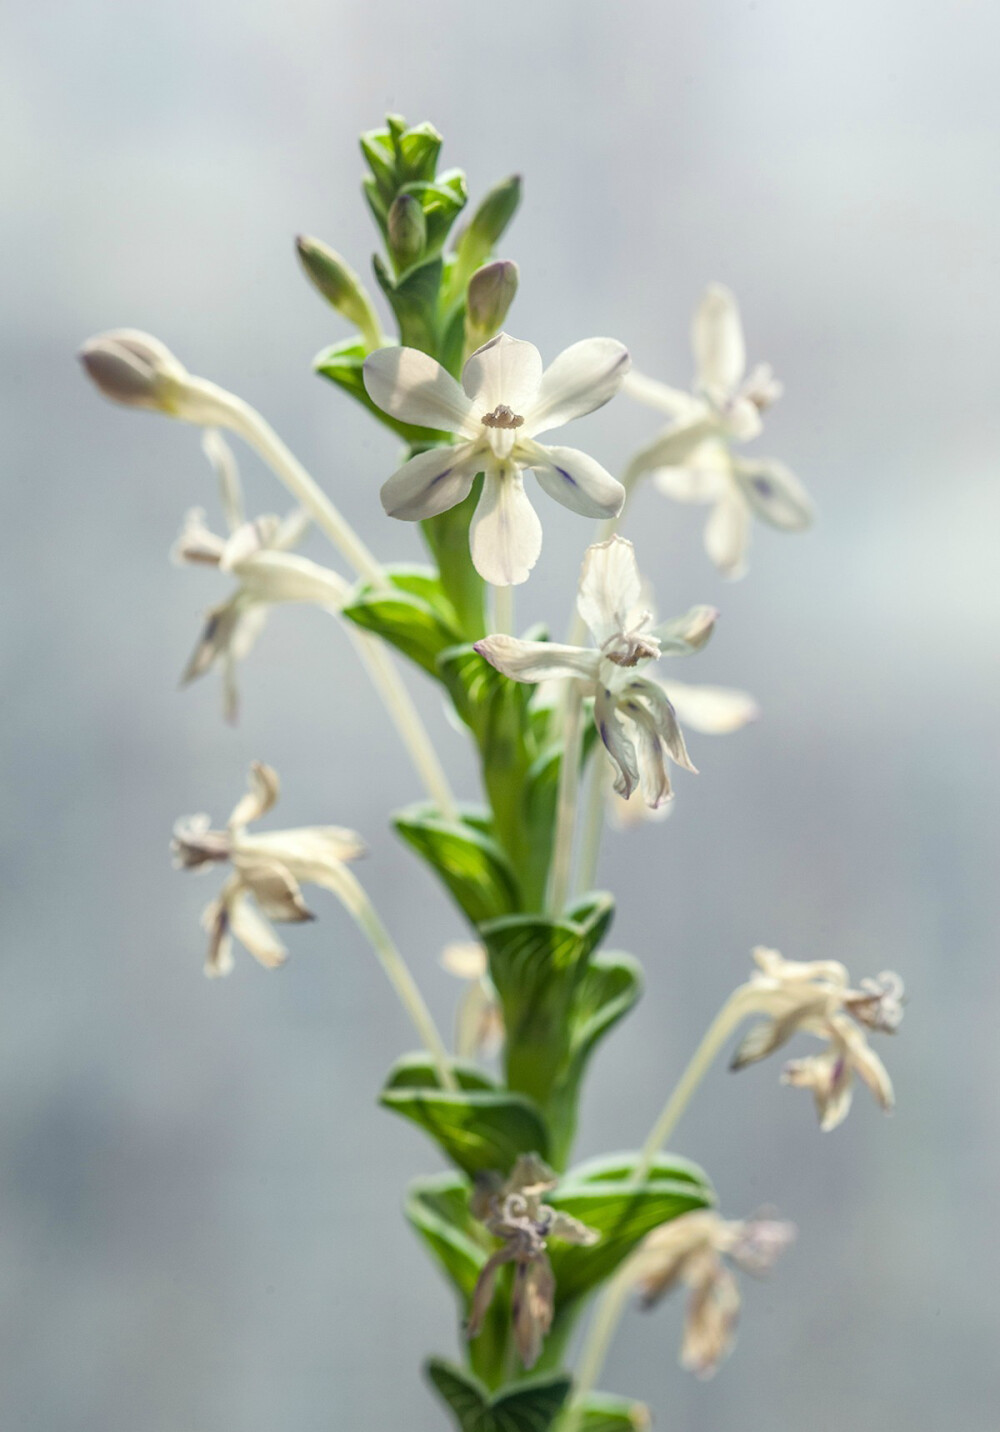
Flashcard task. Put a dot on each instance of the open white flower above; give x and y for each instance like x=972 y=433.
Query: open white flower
x=689 y=1250
x=693 y=459
x=267 y=872
x=504 y=401
x=633 y=713
x=815 y=997
x=256 y=553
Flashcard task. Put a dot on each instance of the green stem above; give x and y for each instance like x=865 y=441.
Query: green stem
x=600 y=1336
x=595 y=805
x=569 y=781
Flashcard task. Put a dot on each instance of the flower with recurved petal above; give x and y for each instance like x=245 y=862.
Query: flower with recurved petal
x=479 y=1023
x=513 y=1211
x=609 y=602
x=503 y=402
x=257 y=554
x=693 y=459
x=266 y=872
x=815 y=997
x=690 y=1250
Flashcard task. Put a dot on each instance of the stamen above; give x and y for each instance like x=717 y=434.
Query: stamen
x=502 y=417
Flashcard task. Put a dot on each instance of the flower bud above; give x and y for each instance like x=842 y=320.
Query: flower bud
x=136 y=369
x=341 y=287
x=490 y=294
x=406 y=230
x=495 y=212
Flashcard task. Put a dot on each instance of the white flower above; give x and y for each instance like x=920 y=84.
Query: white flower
x=608 y=601
x=513 y=1211
x=266 y=872
x=503 y=402
x=256 y=554
x=816 y=998
x=689 y=1250
x=693 y=459
x=479 y=1024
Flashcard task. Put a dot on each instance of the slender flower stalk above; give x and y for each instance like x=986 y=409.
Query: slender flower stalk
x=569 y=783
x=594 y=806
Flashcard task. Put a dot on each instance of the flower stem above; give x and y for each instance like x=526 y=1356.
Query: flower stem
x=503 y=610
x=593 y=825
x=356 y=900
x=715 y=1037
x=600 y=1335
x=569 y=782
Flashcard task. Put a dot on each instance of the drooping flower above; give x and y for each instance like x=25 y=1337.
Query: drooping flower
x=267 y=872
x=504 y=401
x=693 y=459
x=479 y=1024
x=255 y=553
x=634 y=716
x=815 y=997
x=690 y=1250
x=513 y=1211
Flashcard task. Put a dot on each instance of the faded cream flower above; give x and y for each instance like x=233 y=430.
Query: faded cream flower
x=267 y=872
x=479 y=1022
x=513 y=1211
x=815 y=997
x=255 y=553
x=609 y=601
x=503 y=402
x=693 y=459
x=690 y=1251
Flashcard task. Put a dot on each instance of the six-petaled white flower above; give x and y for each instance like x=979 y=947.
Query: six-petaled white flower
x=815 y=997
x=693 y=460
x=690 y=1251
x=503 y=402
x=267 y=872
x=633 y=714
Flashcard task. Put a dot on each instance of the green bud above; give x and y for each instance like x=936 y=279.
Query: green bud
x=341 y=287
x=418 y=150
x=491 y=292
x=495 y=212
x=406 y=230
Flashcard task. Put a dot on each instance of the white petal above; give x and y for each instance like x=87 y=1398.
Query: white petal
x=504 y=371
x=610 y=587
x=291 y=530
x=617 y=744
x=506 y=535
x=727 y=536
x=683 y=635
x=695 y=481
x=713 y=710
x=585 y=376
x=775 y=494
x=641 y=690
x=282 y=577
x=411 y=386
x=717 y=340
x=538 y=660
x=263 y=790
x=274 y=888
x=256 y=934
x=660 y=396
x=430 y=483
x=309 y=846
x=465 y=959
x=654 y=782
x=743 y=420
x=675 y=445
x=577 y=481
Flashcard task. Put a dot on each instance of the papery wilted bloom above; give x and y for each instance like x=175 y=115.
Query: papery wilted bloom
x=267 y=872
x=690 y=1251
x=693 y=459
x=815 y=997
x=255 y=553
x=513 y=1211
x=609 y=601
x=479 y=1024
x=503 y=402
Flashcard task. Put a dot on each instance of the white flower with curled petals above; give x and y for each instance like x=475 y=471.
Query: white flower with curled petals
x=633 y=714
x=267 y=872
x=503 y=402
x=693 y=459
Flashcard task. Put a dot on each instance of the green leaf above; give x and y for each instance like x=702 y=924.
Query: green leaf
x=407 y=621
x=419 y=1071
x=414 y=301
x=418 y=149
x=438 y=1208
x=472 y=866
x=531 y=1406
x=343 y=364
x=441 y=202
x=477 y=1129
x=475 y=243
x=603 y=1413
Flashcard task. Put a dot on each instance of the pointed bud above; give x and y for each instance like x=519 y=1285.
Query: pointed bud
x=495 y=212
x=491 y=292
x=341 y=287
x=135 y=369
x=406 y=229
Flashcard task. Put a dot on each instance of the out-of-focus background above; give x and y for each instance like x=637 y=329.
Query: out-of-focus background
x=200 y=1199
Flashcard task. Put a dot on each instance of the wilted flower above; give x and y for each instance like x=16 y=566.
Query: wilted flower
x=267 y=872
x=609 y=603
x=816 y=998
x=693 y=460
x=513 y=1211
x=479 y=1024
x=503 y=402
x=690 y=1251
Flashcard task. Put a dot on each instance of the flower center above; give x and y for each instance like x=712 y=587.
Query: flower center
x=502 y=417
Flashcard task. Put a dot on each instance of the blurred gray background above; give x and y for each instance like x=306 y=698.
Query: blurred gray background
x=200 y=1200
